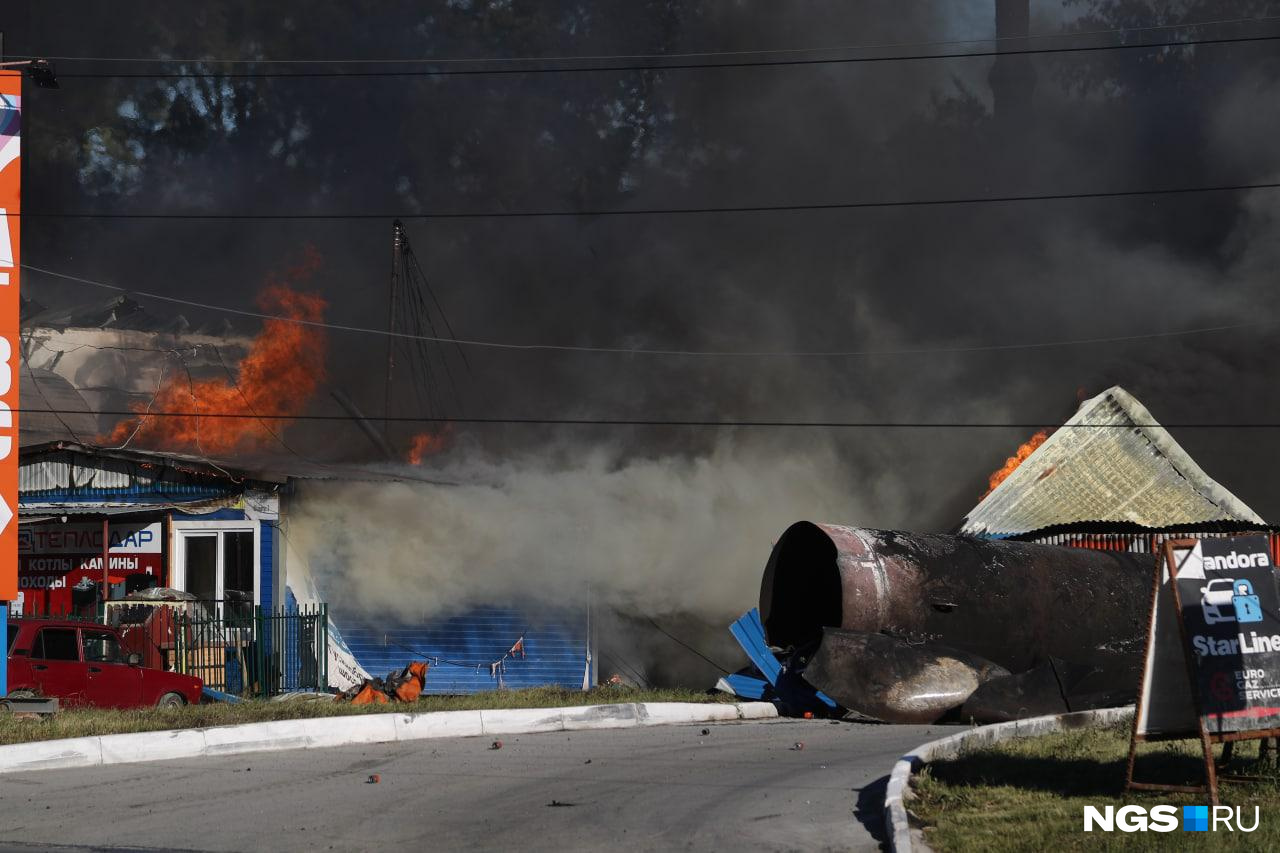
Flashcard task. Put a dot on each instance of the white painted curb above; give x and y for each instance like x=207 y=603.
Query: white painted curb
x=895 y=812
x=364 y=728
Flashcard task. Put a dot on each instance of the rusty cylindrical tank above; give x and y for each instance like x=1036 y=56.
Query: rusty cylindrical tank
x=1009 y=602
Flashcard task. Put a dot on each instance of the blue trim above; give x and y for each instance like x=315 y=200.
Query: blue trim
x=266 y=559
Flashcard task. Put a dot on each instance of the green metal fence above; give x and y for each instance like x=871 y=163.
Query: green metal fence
x=249 y=651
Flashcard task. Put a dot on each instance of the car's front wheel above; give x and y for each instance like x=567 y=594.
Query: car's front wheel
x=171 y=700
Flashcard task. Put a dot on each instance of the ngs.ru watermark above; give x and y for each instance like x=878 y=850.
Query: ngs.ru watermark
x=1165 y=819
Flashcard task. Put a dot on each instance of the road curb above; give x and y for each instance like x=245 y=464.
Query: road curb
x=895 y=811
x=361 y=729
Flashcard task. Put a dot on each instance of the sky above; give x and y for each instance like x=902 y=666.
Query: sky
x=940 y=281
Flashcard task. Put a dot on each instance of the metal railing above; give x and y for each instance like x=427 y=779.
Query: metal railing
x=232 y=646
x=252 y=651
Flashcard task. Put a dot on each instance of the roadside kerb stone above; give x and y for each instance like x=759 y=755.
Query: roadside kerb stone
x=895 y=810
x=361 y=729
x=438 y=724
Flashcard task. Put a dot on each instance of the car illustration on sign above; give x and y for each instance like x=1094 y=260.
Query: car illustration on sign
x=1215 y=601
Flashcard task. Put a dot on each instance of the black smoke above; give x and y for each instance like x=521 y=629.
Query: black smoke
x=914 y=278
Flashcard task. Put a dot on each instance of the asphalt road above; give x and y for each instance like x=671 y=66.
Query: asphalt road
x=741 y=786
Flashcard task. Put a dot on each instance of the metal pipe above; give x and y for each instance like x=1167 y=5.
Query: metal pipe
x=1012 y=603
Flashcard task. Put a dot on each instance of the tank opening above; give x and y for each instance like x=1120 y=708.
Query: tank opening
x=801 y=591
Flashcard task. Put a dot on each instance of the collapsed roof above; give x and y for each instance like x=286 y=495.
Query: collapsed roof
x=118 y=312
x=1111 y=462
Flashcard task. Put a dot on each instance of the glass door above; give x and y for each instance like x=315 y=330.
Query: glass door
x=200 y=564
x=217 y=565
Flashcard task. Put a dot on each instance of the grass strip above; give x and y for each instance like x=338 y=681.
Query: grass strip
x=1029 y=794
x=88 y=722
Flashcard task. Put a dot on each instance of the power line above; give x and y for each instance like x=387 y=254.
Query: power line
x=680 y=66
x=666 y=211
x=1123 y=31
x=463 y=342
x=681 y=642
x=657 y=422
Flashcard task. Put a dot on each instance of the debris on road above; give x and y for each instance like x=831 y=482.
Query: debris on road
x=798 y=745
x=497 y=744
x=374 y=779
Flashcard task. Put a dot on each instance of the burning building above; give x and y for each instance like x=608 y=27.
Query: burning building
x=1110 y=478
x=132 y=526
x=111 y=357
x=193 y=492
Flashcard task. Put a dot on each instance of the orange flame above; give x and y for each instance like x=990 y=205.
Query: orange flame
x=1011 y=464
x=426 y=444
x=277 y=377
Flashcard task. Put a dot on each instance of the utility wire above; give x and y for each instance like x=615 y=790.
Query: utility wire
x=464 y=342
x=664 y=211
x=658 y=422
x=279 y=440
x=679 y=66
x=1123 y=31
x=681 y=642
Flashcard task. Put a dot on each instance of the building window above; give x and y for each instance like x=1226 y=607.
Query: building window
x=237 y=550
x=218 y=565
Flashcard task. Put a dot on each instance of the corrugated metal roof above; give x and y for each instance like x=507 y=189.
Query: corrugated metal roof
x=1125 y=469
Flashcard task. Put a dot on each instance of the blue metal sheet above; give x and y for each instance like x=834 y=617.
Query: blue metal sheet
x=748 y=686
x=748 y=630
x=464 y=645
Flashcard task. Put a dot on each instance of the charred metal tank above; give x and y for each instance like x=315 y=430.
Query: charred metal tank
x=1007 y=607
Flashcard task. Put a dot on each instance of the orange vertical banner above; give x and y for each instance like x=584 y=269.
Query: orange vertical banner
x=10 y=324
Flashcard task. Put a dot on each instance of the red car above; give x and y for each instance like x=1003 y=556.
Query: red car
x=81 y=664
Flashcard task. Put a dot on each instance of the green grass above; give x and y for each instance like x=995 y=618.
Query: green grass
x=1030 y=795
x=86 y=722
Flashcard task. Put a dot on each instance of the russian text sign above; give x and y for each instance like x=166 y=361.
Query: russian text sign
x=10 y=225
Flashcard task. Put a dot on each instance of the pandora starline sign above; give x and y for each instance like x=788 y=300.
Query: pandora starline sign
x=10 y=225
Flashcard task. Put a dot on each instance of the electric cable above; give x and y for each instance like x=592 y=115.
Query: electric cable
x=661 y=67
x=681 y=642
x=659 y=422
x=464 y=342
x=1122 y=31
x=808 y=207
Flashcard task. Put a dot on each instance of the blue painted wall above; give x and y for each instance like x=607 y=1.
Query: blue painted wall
x=267 y=566
x=555 y=647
